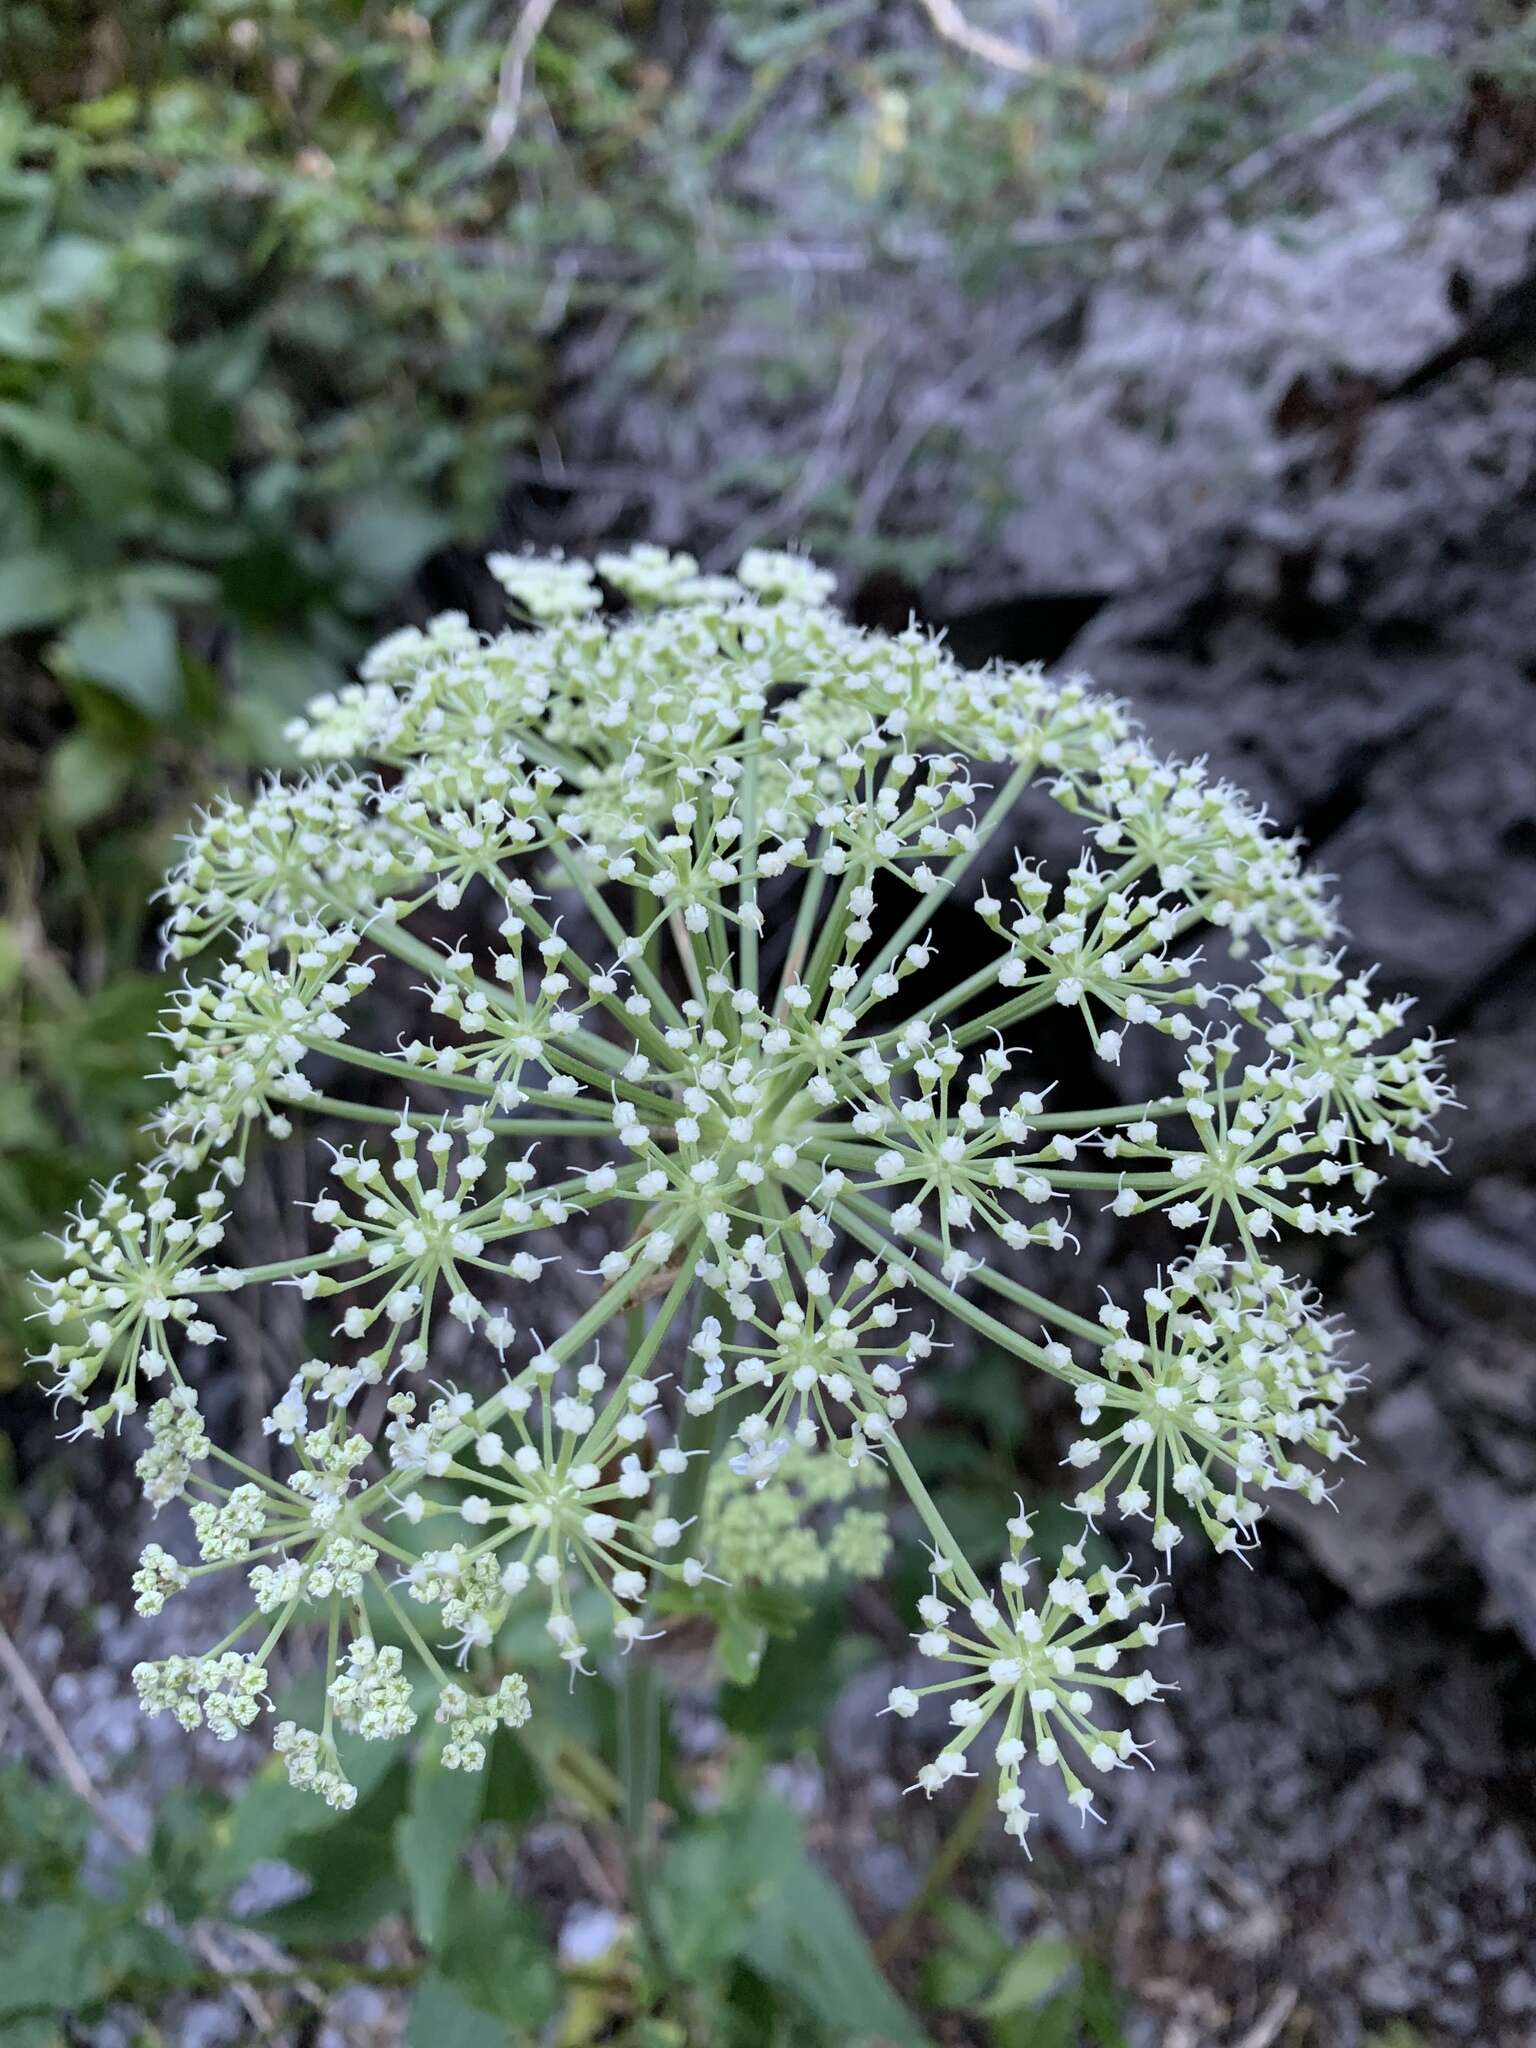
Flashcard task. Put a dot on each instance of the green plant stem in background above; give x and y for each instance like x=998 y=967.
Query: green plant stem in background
x=639 y=1767
x=953 y=1850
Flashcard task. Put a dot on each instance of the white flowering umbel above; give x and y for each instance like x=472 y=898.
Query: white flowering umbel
x=672 y=887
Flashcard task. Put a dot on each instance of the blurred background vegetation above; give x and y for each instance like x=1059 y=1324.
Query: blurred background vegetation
x=296 y=297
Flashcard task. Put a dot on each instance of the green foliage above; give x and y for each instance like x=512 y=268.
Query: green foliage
x=754 y=1943
x=72 y=1089
x=251 y=375
x=1048 y=1994
x=773 y=1913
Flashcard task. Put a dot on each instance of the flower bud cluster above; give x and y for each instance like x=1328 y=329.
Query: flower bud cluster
x=778 y=1515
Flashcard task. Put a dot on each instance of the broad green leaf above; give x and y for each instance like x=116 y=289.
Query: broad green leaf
x=32 y=2031
x=86 y=776
x=285 y=670
x=784 y=41
x=739 y=1646
x=130 y=651
x=21 y=521
x=440 y=2018
x=197 y=484
x=37 y=588
x=701 y=1899
x=95 y=464
x=43 y=1830
x=270 y=1819
x=741 y=1886
x=73 y=270
x=445 y=1809
x=279 y=675
x=104 y=116
x=223 y=367
x=383 y=540
x=966 y=1960
x=494 y=1955
x=1058 y=2023
x=797 y=1681
x=172 y=583
x=804 y=1939
x=24 y=336
x=353 y=1884
x=45 y=1959
x=1040 y=1970
x=1099 y=2004
x=514 y=1788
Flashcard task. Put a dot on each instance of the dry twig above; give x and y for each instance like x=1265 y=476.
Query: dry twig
x=951 y=22
x=502 y=125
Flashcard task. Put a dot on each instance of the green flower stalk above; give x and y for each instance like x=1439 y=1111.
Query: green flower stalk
x=687 y=1055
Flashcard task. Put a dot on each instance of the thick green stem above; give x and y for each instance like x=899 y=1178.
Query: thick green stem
x=639 y=1772
x=932 y=1520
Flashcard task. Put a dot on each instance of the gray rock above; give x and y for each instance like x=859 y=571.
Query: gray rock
x=1472 y=1267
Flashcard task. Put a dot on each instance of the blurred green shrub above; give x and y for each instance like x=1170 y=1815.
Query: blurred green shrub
x=253 y=366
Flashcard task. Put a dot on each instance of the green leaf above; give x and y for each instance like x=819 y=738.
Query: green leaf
x=37 y=588
x=130 y=651
x=86 y=776
x=966 y=1961
x=440 y=2018
x=805 y=1941
x=23 y=335
x=196 y=484
x=445 y=1808
x=284 y=671
x=383 y=540
x=271 y=1820
x=514 y=1788
x=741 y=1886
x=1040 y=1970
x=784 y=41
x=35 y=2031
x=94 y=464
x=45 y=1959
x=494 y=1956
x=224 y=367
x=43 y=1827
x=112 y=112
x=797 y=1680
x=353 y=1884
x=73 y=271
x=173 y=583
x=739 y=1646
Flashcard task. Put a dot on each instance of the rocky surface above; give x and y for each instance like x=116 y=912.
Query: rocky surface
x=1361 y=648
x=1034 y=411
x=1353 y=1740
